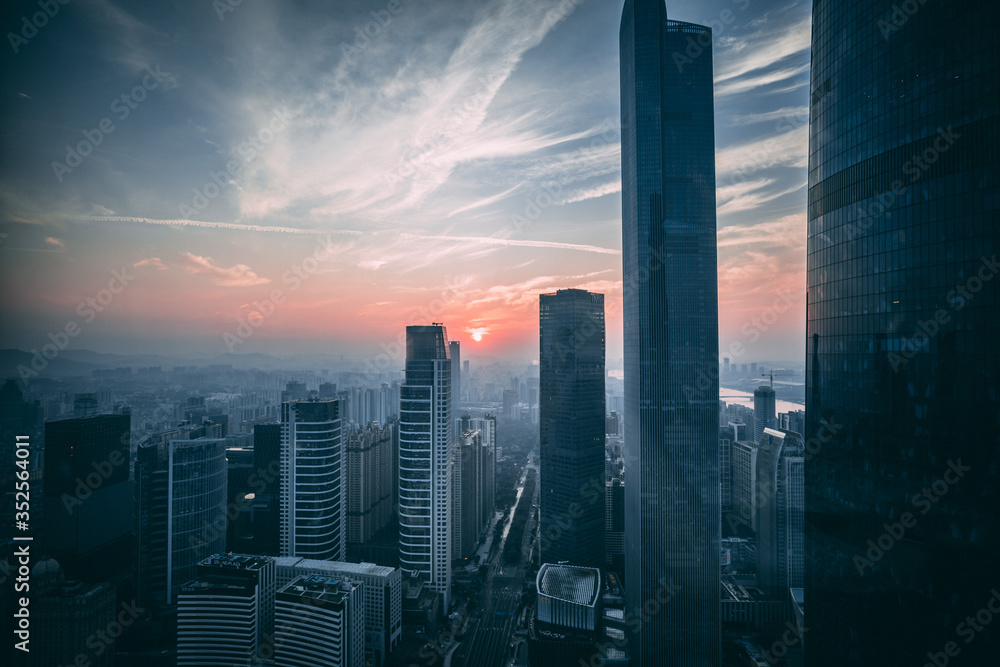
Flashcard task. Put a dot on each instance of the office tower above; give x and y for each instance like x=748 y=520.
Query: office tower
x=465 y=368
x=744 y=481
x=266 y=487
x=382 y=598
x=426 y=460
x=180 y=510
x=753 y=369
x=725 y=467
x=69 y=620
x=902 y=326
x=725 y=365
x=369 y=482
x=455 y=352
x=671 y=336
x=780 y=507
x=313 y=516
x=571 y=451
x=763 y=411
x=88 y=495
x=319 y=622
x=225 y=615
x=328 y=390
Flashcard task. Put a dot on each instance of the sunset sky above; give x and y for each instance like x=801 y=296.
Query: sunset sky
x=444 y=161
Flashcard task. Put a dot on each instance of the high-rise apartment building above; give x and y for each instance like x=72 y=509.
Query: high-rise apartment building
x=369 y=482
x=571 y=419
x=486 y=426
x=903 y=319
x=313 y=512
x=671 y=336
x=427 y=460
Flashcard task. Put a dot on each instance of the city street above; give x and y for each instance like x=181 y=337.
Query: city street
x=491 y=625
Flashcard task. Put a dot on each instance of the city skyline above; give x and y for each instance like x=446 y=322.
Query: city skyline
x=513 y=333
x=195 y=279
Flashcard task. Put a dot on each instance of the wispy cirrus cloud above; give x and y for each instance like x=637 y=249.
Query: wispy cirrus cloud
x=518 y=243
x=799 y=114
x=749 y=195
x=764 y=49
x=788 y=231
x=788 y=149
x=759 y=82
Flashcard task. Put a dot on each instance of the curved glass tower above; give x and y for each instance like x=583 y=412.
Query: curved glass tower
x=671 y=338
x=903 y=325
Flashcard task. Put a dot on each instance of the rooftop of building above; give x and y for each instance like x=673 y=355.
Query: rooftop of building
x=742 y=588
x=334 y=590
x=341 y=567
x=203 y=587
x=236 y=561
x=579 y=585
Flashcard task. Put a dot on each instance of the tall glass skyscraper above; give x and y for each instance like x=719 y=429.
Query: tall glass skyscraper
x=180 y=510
x=903 y=324
x=427 y=460
x=671 y=337
x=571 y=421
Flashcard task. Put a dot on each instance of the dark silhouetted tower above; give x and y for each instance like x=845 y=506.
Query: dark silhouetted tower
x=671 y=335
x=571 y=420
x=902 y=325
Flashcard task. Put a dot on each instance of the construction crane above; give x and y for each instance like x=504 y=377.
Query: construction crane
x=780 y=374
